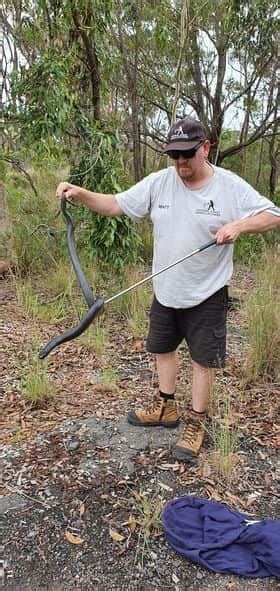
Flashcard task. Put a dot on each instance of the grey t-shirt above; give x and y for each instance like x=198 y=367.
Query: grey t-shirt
x=185 y=219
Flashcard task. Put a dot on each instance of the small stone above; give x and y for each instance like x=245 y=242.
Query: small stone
x=73 y=445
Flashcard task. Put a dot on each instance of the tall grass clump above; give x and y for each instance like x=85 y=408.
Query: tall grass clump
x=224 y=434
x=133 y=306
x=36 y=385
x=262 y=314
x=95 y=338
x=147 y=516
x=26 y=297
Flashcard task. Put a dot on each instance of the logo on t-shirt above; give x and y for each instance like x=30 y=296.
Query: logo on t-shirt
x=208 y=209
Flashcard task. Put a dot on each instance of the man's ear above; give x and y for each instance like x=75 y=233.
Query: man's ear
x=206 y=146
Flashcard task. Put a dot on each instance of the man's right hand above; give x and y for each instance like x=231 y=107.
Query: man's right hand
x=69 y=191
x=105 y=204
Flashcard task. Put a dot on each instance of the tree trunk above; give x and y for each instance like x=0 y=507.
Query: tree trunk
x=5 y=230
x=274 y=149
x=92 y=62
x=218 y=115
x=273 y=164
x=260 y=163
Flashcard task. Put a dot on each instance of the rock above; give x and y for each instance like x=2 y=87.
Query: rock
x=12 y=502
x=73 y=445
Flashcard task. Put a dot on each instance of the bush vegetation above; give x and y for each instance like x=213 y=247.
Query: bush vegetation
x=262 y=312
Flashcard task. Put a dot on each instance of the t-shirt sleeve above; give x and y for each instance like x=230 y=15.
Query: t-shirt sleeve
x=254 y=203
x=136 y=201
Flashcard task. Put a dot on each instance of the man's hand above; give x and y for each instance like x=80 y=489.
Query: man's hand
x=228 y=233
x=68 y=190
x=104 y=204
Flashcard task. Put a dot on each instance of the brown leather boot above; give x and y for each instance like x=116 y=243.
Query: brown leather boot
x=191 y=439
x=159 y=412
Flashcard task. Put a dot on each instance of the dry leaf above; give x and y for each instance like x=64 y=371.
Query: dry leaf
x=4 y=491
x=165 y=486
x=137 y=346
x=205 y=470
x=132 y=523
x=251 y=499
x=235 y=499
x=73 y=539
x=258 y=440
x=123 y=482
x=214 y=495
x=115 y=535
x=173 y=467
x=82 y=509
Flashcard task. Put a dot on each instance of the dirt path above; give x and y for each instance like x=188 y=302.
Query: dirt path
x=81 y=486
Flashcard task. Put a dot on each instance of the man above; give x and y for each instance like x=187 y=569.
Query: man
x=189 y=203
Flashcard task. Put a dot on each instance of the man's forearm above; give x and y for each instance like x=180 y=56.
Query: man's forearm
x=100 y=203
x=259 y=223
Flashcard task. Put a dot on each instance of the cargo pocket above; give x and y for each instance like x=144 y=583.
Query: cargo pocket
x=220 y=332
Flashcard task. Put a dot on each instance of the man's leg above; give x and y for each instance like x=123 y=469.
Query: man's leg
x=202 y=385
x=163 y=340
x=193 y=433
x=162 y=411
x=167 y=366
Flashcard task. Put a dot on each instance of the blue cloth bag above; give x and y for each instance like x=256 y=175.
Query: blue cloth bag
x=222 y=540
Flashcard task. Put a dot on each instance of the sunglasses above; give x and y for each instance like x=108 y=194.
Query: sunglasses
x=175 y=154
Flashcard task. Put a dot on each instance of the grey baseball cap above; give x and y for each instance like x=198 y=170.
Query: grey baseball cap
x=185 y=134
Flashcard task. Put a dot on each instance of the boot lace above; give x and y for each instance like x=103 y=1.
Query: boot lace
x=190 y=430
x=154 y=404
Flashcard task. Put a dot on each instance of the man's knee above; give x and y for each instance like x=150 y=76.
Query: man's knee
x=202 y=368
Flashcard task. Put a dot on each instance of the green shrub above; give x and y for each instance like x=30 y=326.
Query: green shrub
x=249 y=248
x=112 y=240
x=38 y=237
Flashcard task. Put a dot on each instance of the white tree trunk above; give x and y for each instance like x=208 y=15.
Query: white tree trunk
x=5 y=231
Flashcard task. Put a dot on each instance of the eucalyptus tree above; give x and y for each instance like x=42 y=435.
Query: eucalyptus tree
x=135 y=65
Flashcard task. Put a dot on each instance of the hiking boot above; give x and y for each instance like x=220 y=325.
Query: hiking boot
x=189 y=443
x=159 y=412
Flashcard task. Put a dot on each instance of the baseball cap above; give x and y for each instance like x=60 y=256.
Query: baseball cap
x=185 y=134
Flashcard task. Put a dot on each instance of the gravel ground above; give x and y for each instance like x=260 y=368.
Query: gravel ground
x=88 y=489
x=81 y=487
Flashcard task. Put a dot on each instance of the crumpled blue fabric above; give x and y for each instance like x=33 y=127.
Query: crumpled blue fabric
x=222 y=540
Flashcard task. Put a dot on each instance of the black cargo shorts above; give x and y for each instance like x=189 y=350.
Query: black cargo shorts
x=203 y=327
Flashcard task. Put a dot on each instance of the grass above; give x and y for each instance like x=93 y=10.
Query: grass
x=224 y=435
x=262 y=313
x=110 y=377
x=133 y=306
x=26 y=297
x=147 y=515
x=36 y=385
x=95 y=337
x=37 y=229
x=56 y=310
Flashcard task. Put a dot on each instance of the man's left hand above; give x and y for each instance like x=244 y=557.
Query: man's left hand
x=228 y=233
